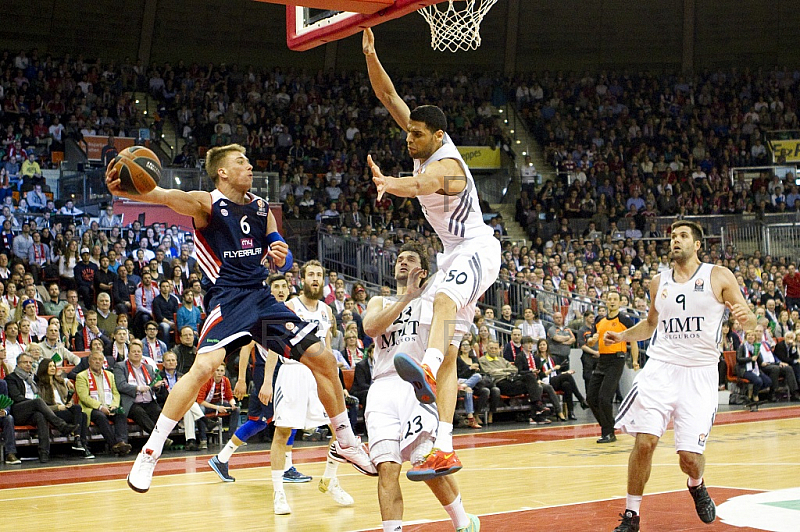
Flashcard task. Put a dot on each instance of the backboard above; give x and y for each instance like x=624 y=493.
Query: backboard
x=322 y=21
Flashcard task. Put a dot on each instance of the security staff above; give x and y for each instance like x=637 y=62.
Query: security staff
x=607 y=372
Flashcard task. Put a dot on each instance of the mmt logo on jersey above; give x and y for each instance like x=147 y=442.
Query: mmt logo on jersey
x=684 y=327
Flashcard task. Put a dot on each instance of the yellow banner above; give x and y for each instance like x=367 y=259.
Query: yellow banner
x=790 y=149
x=480 y=157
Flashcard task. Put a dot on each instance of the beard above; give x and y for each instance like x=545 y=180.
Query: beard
x=311 y=293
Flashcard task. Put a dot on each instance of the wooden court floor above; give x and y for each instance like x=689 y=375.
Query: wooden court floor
x=538 y=479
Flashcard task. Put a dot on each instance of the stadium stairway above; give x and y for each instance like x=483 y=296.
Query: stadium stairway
x=514 y=231
x=526 y=144
x=172 y=143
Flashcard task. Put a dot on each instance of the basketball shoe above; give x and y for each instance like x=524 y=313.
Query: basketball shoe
x=706 y=509
x=294 y=476
x=141 y=475
x=280 y=506
x=629 y=522
x=473 y=526
x=221 y=469
x=331 y=485
x=437 y=464
x=420 y=377
x=357 y=455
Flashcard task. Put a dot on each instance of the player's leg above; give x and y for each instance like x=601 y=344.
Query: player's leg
x=446 y=491
x=278 y=458
x=639 y=465
x=390 y=496
x=179 y=400
x=290 y=473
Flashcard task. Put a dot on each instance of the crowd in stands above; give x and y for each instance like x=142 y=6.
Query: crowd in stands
x=645 y=144
x=132 y=296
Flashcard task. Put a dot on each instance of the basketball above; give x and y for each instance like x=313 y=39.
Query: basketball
x=139 y=169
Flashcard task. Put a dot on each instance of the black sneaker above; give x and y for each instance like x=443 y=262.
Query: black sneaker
x=629 y=522
x=706 y=509
x=87 y=454
x=608 y=438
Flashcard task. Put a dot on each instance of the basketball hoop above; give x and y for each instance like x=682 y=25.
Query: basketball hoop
x=456 y=28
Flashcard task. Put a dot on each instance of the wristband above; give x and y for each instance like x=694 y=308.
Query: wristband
x=276 y=237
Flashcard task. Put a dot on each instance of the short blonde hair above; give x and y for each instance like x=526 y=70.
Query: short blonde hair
x=216 y=156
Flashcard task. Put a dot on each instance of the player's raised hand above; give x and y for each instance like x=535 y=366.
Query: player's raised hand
x=413 y=287
x=611 y=337
x=377 y=177
x=739 y=311
x=368 y=42
x=112 y=180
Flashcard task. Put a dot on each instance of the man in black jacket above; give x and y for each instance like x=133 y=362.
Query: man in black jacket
x=786 y=351
x=121 y=291
x=362 y=379
x=165 y=305
x=28 y=408
x=84 y=273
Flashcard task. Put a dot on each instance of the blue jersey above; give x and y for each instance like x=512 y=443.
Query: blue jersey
x=231 y=247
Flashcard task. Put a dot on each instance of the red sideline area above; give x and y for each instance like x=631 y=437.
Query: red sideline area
x=659 y=514
x=46 y=476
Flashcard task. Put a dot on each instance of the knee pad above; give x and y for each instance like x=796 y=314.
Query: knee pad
x=290 y=441
x=250 y=429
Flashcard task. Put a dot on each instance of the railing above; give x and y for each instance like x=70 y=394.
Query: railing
x=775 y=239
x=354 y=258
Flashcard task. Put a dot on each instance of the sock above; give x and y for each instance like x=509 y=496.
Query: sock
x=331 y=467
x=393 y=526
x=277 y=480
x=633 y=503
x=160 y=433
x=433 y=359
x=457 y=513
x=227 y=451
x=288 y=465
x=444 y=437
x=694 y=482
x=344 y=432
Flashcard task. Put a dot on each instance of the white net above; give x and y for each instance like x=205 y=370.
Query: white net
x=458 y=27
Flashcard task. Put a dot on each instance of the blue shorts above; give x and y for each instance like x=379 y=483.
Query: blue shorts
x=238 y=315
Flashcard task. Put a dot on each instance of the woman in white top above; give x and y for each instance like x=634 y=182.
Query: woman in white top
x=67 y=262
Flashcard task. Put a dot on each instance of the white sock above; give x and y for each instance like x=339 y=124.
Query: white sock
x=288 y=465
x=444 y=437
x=160 y=433
x=633 y=503
x=344 y=432
x=331 y=467
x=457 y=513
x=227 y=451
x=277 y=480
x=393 y=526
x=433 y=359
x=694 y=482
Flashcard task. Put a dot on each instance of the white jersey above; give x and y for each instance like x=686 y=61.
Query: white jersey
x=404 y=335
x=454 y=218
x=320 y=317
x=689 y=320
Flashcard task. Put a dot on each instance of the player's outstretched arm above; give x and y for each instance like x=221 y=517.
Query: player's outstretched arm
x=445 y=175
x=382 y=83
x=194 y=203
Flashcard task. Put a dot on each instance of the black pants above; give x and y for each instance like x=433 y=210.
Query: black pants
x=145 y=415
x=566 y=383
x=523 y=383
x=589 y=363
x=86 y=293
x=112 y=436
x=36 y=412
x=74 y=415
x=602 y=387
x=774 y=371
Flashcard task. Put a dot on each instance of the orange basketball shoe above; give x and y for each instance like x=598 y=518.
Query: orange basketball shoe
x=437 y=464
x=420 y=376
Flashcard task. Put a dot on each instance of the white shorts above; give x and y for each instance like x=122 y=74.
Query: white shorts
x=396 y=420
x=464 y=274
x=297 y=405
x=662 y=392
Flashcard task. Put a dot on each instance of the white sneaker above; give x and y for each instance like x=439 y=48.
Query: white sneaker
x=357 y=455
x=141 y=475
x=331 y=485
x=279 y=504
